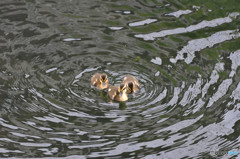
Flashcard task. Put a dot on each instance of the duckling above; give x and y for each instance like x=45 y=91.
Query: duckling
x=99 y=80
x=131 y=83
x=118 y=93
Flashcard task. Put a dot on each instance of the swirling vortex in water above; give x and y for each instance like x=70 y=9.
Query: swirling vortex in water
x=188 y=103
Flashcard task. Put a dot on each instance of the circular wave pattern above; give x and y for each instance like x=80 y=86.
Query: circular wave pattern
x=188 y=102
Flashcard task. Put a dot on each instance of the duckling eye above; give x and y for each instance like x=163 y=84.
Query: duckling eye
x=122 y=86
x=130 y=85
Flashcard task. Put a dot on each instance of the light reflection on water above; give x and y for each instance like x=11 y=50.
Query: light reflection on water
x=191 y=28
x=186 y=59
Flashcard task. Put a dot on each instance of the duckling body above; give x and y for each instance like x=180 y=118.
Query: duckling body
x=118 y=93
x=99 y=80
x=132 y=83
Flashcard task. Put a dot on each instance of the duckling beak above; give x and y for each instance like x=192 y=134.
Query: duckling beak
x=104 y=84
x=120 y=93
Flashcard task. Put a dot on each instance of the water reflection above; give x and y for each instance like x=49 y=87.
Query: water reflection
x=177 y=14
x=199 y=44
x=186 y=58
x=201 y=25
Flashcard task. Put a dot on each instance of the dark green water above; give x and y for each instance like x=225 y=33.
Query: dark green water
x=186 y=55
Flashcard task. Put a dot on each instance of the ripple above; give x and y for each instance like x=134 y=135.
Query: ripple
x=86 y=70
x=4 y=150
x=178 y=126
x=4 y=124
x=222 y=90
x=71 y=39
x=143 y=22
x=157 y=61
x=35 y=144
x=51 y=119
x=61 y=140
x=199 y=44
x=78 y=114
x=192 y=92
x=138 y=134
x=235 y=58
x=38 y=127
x=23 y=135
x=51 y=70
x=41 y=96
x=115 y=28
x=89 y=146
x=213 y=77
x=178 y=13
x=236 y=93
x=191 y=28
x=49 y=151
x=188 y=101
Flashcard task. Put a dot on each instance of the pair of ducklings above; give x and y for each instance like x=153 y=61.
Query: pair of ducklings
x=129 y=85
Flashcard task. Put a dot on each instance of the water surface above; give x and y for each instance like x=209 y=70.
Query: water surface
x=185 y=54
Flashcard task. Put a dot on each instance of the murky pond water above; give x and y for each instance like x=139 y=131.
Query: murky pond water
x=186 y=55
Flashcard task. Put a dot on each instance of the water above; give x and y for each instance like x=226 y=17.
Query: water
x=185 y=54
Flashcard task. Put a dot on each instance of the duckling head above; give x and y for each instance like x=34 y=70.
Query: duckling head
x=130 y=87
x=122 y=89
x=104 y=80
